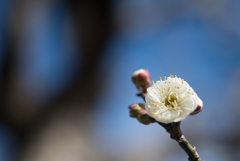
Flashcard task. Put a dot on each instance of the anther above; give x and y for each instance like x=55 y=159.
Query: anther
x=175 y=76
x=149 y=106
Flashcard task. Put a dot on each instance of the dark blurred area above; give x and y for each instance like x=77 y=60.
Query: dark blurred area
x=66 y=68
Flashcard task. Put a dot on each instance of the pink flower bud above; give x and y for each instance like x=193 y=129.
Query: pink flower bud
x=134 y=109
x=199 y=107
x=142 y=79
x=144 y=118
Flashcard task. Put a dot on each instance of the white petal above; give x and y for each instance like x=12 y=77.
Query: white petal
x=187 y=100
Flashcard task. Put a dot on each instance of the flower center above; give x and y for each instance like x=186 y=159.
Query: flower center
x=171 y=100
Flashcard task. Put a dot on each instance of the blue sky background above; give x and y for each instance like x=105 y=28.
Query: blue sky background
x=197 y=44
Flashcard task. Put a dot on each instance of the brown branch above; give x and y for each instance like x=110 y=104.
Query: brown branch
x=175 y=133
x=141 y=94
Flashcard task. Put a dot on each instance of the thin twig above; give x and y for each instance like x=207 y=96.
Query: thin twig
x=141 y=94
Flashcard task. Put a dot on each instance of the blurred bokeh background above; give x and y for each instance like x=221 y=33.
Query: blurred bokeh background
x=66 y=67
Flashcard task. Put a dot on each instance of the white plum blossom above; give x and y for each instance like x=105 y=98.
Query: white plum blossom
x=171 y=100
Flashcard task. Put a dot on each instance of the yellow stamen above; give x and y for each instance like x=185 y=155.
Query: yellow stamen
x=175 y=76
x=160 y=78
x=182 y=81
x=152 y=113
x=149 y=106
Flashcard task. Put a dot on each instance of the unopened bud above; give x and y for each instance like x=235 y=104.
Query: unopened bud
x=199 y=107
x=142 y=79
x=134 y=109
x=144 y=118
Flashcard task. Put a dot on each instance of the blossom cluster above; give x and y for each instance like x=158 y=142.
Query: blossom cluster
x=168 y=100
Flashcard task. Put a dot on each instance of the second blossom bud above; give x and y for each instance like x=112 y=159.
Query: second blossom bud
x=134 y=109
x=144 y=118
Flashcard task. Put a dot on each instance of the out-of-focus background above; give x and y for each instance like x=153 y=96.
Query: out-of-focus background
x=65 y=77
